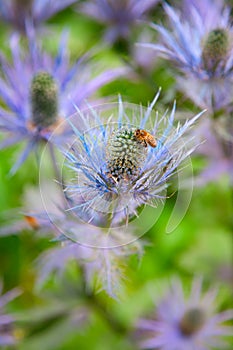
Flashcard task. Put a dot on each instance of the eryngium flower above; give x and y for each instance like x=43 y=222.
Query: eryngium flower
x=199 y=43
x=180 y=324
x=119 y=165
x=103 y=261
x=119 y=15
x=101 y=257
x=19 y=12
x=38 y=91
x=6 y=320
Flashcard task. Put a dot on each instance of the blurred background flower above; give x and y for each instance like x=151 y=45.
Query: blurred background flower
x=119 y=17
x=31 y=216
x=36 y=105
x=103 y=263
x=7 y=336
x=186 y=324
x=199 y=44
x=19 y=12
x=100 y=255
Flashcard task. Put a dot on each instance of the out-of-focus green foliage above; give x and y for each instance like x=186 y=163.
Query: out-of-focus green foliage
x=201 y=244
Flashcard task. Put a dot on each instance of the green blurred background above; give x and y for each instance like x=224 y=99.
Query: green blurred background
x=200 y=245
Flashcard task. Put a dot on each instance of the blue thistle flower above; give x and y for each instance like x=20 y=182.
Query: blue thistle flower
x=115 y=170
x=18 y=12
x=186 y=324
x=119 y=15
x=37 y=91
x=199 y=43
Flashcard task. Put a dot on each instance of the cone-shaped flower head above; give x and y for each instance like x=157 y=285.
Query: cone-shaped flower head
x=44 y=100
x=215 y=49
x=192 y=321
x=125 y=154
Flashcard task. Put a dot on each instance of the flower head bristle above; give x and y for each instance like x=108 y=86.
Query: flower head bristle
x=216 y=48
x=192 y=321
x=125 y=154
x=44 y=100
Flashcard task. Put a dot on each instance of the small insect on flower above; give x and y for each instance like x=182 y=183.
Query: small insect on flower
x=145 y=137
